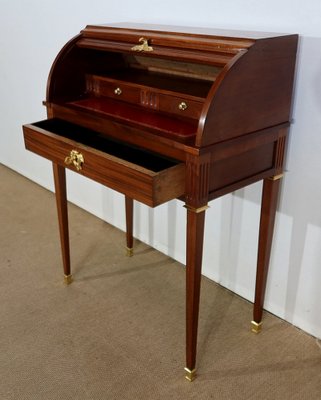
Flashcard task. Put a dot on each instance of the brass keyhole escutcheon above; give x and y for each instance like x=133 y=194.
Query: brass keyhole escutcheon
x=182 y=106
x=76 y=159
x=118 y=91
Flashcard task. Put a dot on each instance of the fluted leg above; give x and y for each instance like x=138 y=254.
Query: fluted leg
x=194 y=250
x=268 y=211
x=129 y=203
x=61 y=200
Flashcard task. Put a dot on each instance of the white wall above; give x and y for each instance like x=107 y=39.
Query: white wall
x=32 y=32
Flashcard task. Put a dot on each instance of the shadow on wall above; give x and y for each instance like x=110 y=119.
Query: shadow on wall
x=300 y=196
x=301 y=191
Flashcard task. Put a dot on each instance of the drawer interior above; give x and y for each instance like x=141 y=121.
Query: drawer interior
x=146 y=159
x=165 y=97
x=132 y=114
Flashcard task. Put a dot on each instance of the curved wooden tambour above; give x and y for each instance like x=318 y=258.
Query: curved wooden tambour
x=258 y=82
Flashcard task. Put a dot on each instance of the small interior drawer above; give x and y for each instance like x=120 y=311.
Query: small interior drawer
x=182 y=106
x=141 y=175
x=117 y=90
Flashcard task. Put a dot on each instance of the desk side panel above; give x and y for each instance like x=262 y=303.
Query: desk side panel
x=255 y=93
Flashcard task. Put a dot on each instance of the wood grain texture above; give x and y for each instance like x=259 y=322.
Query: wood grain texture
x=268 y=210
x=62 y=210
x=129 y=210
x=197 y=189
x=194 y=252
x=256 y=92
x=149 y=187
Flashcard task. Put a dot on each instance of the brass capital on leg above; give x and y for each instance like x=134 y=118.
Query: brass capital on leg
x=276 y=177
x=196 y=210
x=256 y=327
x=190 y=374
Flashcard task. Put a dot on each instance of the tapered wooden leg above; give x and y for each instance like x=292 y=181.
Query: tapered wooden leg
x=194 y=250
x=129 y=203
x=268 y=211
x=61 y=200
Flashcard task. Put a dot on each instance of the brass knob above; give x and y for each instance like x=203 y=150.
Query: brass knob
x=182 y=106
x=75 y=158
x=118 y=91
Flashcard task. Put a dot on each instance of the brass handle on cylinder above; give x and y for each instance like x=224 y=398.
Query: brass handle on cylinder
x=118 y=91
x=144 y=46
x=75 y=158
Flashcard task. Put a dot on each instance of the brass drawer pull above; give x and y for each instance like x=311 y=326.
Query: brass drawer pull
x=143 y=46
x=75 y=158
x=182 y=106
x=118 y=91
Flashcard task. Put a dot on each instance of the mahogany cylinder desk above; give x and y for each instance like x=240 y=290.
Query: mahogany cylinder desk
x=158 y=113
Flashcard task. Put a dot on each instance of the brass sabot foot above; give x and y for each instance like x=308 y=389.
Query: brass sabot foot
x=129 y=251
x=67 y=279
x=256 y=327
x=190 y=375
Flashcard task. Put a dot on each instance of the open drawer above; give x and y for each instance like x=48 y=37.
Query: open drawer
x=139 y=174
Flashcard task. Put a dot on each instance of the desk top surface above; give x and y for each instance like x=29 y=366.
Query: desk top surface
x=202 y=31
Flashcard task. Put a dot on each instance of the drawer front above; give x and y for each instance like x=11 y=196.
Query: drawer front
x=181 y=106
x=118 y=91
x=140 y=183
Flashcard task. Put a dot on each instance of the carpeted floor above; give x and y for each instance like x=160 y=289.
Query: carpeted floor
x=118 y=331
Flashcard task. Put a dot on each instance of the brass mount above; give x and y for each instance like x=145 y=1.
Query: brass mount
x=143 y=46
x=196 y=210
x=75 y=158
x=190 y=374
x=256 y=327
x=67 y=279
x=129 y=251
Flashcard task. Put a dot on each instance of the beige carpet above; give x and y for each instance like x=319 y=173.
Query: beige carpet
x=118 y=331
